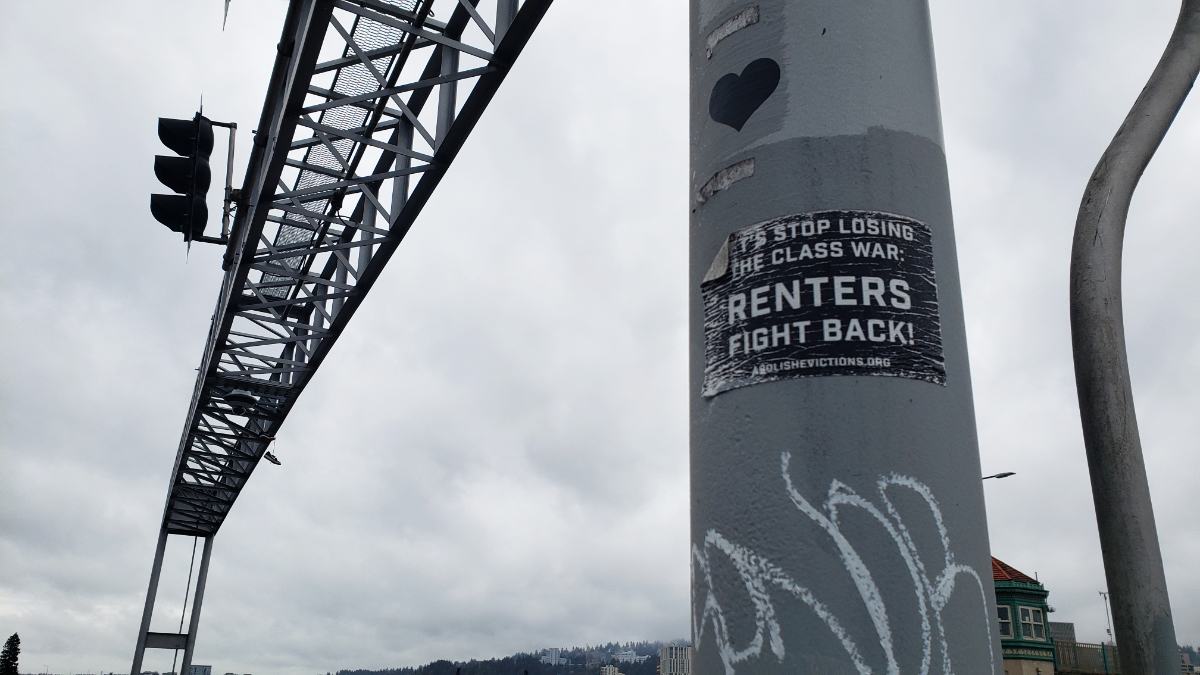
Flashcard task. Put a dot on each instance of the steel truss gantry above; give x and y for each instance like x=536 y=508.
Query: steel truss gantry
x=361 y=121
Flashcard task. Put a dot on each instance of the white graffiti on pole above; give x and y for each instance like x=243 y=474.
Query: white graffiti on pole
x=759 y=575
x=823 y=293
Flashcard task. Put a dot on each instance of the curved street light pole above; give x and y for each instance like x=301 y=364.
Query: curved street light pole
x=1145 y=633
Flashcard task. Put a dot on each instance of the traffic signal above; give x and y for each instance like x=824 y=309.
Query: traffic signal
x=188 y=175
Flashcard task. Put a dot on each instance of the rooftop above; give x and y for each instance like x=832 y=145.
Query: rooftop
x=1002 y=571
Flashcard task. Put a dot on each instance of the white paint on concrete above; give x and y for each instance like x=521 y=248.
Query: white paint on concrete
x=759 y=574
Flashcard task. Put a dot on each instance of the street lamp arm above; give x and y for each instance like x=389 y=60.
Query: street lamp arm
x=1125 y=518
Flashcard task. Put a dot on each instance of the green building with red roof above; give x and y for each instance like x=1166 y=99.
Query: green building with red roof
x=1021 y=609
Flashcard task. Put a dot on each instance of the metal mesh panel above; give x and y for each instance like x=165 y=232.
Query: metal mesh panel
x=351 y=80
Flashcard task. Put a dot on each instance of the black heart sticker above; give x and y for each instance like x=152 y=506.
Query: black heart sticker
x=735 y=97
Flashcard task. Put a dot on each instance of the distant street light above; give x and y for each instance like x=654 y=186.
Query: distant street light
x=1107 y=616
x=1004 y=474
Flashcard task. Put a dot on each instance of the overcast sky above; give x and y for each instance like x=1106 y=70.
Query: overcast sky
x=494 y=457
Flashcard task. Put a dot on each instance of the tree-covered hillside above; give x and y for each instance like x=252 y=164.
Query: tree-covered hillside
x=580 y=661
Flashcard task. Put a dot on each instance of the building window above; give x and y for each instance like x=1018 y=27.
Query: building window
x=1032 y=627
x=1005 y=612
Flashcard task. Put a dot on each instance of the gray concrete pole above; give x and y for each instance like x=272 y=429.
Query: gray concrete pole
x=194 y=623
x=1145 y=632
x=838 y=520
x=140 y=650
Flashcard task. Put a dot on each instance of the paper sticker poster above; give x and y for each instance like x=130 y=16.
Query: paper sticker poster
x=824 y=293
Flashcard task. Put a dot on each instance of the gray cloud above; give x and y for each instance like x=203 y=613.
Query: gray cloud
x=494 y=457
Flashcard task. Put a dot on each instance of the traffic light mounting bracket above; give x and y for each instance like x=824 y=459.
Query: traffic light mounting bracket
x=231 y=195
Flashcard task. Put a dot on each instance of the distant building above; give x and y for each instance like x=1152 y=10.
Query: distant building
x=1062 y=631
x=675 y=660
x=201 y=670
x=630 y=657
x=1021 y=609
x=609 y=670
x=1185 y=664
x=551 y=657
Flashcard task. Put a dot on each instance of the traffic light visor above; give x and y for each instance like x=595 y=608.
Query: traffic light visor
x=170 y=210
x=180 y=212
x=186 y=137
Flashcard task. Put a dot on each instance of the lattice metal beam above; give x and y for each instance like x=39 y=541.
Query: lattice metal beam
x=347 y=153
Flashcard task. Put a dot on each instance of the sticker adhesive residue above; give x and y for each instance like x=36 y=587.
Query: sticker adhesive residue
x=825 y=293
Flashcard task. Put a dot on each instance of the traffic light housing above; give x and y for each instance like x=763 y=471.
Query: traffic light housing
x=188 y=175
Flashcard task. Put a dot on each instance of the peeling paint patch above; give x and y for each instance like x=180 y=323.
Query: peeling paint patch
x=746 y=17
x=720 y=264
x=726 y=177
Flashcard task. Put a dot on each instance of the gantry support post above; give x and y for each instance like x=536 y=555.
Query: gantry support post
x=151 y=592
x=175 y=641
x=194 y=623
x=837 y=511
